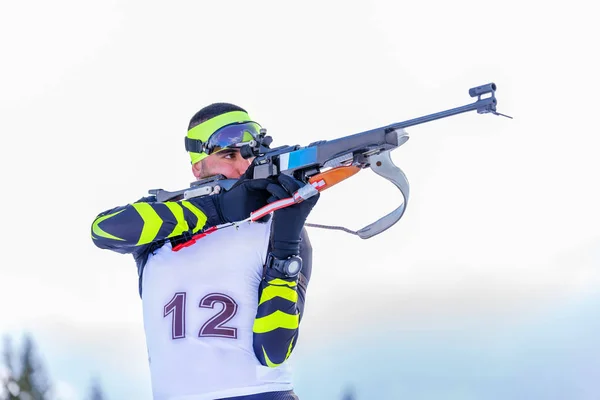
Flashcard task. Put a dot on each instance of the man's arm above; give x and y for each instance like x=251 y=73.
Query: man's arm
x=126 y=228
x=280 y=310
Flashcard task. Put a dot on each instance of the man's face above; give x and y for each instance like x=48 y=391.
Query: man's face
x=228 y=162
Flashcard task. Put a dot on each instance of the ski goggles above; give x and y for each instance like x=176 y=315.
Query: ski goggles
x=206 y=139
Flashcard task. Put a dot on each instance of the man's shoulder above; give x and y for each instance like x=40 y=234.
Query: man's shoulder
x=147 y=199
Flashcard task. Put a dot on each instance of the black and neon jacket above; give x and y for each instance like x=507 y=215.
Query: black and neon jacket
x=144 y=226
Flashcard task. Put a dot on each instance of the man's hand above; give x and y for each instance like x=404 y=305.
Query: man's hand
x=245 y=196
x=288 y=222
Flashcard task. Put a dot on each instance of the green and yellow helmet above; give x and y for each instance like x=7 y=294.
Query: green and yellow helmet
x=226 y=130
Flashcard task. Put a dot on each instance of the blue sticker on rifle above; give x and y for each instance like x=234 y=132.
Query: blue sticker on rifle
x=298 y=158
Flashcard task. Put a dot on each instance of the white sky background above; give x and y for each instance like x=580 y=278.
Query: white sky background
x=503 y=215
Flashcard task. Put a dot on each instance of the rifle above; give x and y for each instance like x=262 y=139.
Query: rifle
x=323 y=164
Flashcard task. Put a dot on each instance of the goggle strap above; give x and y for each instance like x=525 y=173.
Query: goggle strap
x=194 y=145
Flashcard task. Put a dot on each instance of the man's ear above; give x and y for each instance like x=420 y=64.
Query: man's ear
x=197 y=169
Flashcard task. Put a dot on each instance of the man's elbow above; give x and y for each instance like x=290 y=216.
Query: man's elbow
x=271 y=353
x=261 y=354
x=105 y=243
x=94 y=235
x=264 y=358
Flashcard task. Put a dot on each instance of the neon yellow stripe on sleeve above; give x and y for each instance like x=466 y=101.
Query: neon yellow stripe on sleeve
x=276 y=320
x=270 y=363
x=284 y=292
x=280 y=282
x=99 y=232
x=182 y=225
x=198 y=213
x=152 y=223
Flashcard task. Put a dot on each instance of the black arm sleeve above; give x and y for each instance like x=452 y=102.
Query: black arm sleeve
x=280 y=310
x=126 y=229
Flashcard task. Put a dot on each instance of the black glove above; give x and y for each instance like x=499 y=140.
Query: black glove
x=245 y=196
x=288 y=222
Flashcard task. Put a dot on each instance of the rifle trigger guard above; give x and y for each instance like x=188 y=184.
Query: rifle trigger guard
x=383 y=165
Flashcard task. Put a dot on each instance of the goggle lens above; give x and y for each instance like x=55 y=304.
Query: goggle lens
x=232 y=135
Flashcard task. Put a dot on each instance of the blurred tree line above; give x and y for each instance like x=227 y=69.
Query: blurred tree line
x=349 y=393
x=24 y=377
